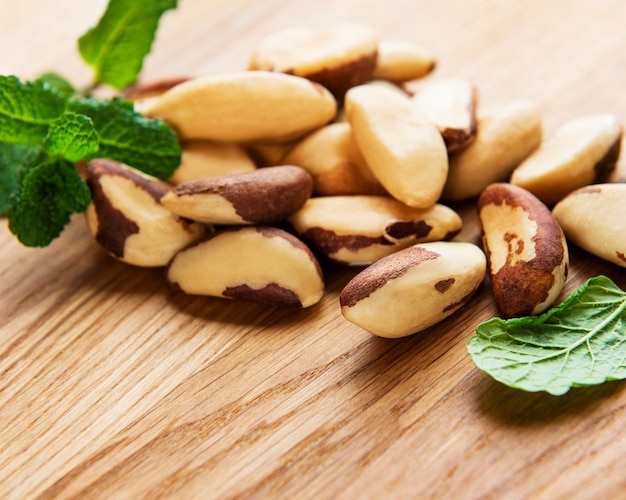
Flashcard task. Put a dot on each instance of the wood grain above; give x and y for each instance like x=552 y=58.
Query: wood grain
x=113 y=386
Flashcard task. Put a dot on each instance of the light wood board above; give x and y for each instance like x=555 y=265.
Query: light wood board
x=113 y=386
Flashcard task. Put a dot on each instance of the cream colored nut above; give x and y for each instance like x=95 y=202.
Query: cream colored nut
x=413 y=289
x=525 y=247
x=358 y=230
x=593 y=218
x=402 y=61
x=403 y=148
x=450 y=104
x=582 y=151
x=341 y=117
x=209 y=158
x=506 y=136
x=264 y=196
x=244 y=106
x=338 y=57
x=126 y=217
x=333 y=159
x=257 y=263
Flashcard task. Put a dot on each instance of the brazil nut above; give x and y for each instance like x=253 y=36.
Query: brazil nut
x=526 y=250
x=414 y=288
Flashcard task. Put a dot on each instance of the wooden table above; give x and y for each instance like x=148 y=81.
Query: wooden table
x=112 y=386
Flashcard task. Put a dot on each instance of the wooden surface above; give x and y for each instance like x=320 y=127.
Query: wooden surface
x=112 y=386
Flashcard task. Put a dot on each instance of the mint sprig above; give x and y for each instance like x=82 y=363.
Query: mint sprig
x=581 y=342
x=49 y=191
x=12 y=157
x=117 y=45
x=71 y=136
x=46 y=126
x=27 y=109
x=124 y=135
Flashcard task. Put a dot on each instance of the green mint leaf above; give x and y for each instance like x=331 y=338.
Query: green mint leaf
x=71 y=136
x=49 y=191
x=57 y=82
x=118 y=44
x=12 y=158
x=26 y=110
x=581 y=342
x=125 y=136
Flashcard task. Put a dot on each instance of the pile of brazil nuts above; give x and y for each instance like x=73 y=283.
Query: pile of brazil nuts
x=332 y=147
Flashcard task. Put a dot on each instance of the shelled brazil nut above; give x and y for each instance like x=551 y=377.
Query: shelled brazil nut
x=582 y=151
x=359 y=230
x=592 y=217
x=450 y=103
x=257 y=263
x=338 y=57
x=402 y=147
x=127 y=219
x=263 y=196
x=414 y=288
x=526 y=249
x=244 y=106
x=401 y=61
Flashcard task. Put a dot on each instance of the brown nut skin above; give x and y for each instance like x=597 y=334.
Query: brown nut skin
x=582 y=151
x=332 y=157
x=256 y=263
x=414 y=288
x=338 y=57
x=358 y=230
x=526 y=250
x=263 y=196
x=127 y=219
x=592 y=217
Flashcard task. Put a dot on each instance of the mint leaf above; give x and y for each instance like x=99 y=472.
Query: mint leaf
x=58 y=83
x=579 y=343
x=71 y=136
x=49 y=191
x=147 y=145
x=123 y=37
x=26 y=110
x=12 y=158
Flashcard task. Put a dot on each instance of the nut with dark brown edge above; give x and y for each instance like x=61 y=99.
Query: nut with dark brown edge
x=127 y=219
x=337 y=57
x=358 y=230
x=592 y=217
x=582 y=151
x=451 y=104
x=414 y=288
x=256 y=263
x=526 y=250
x=264 y=196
